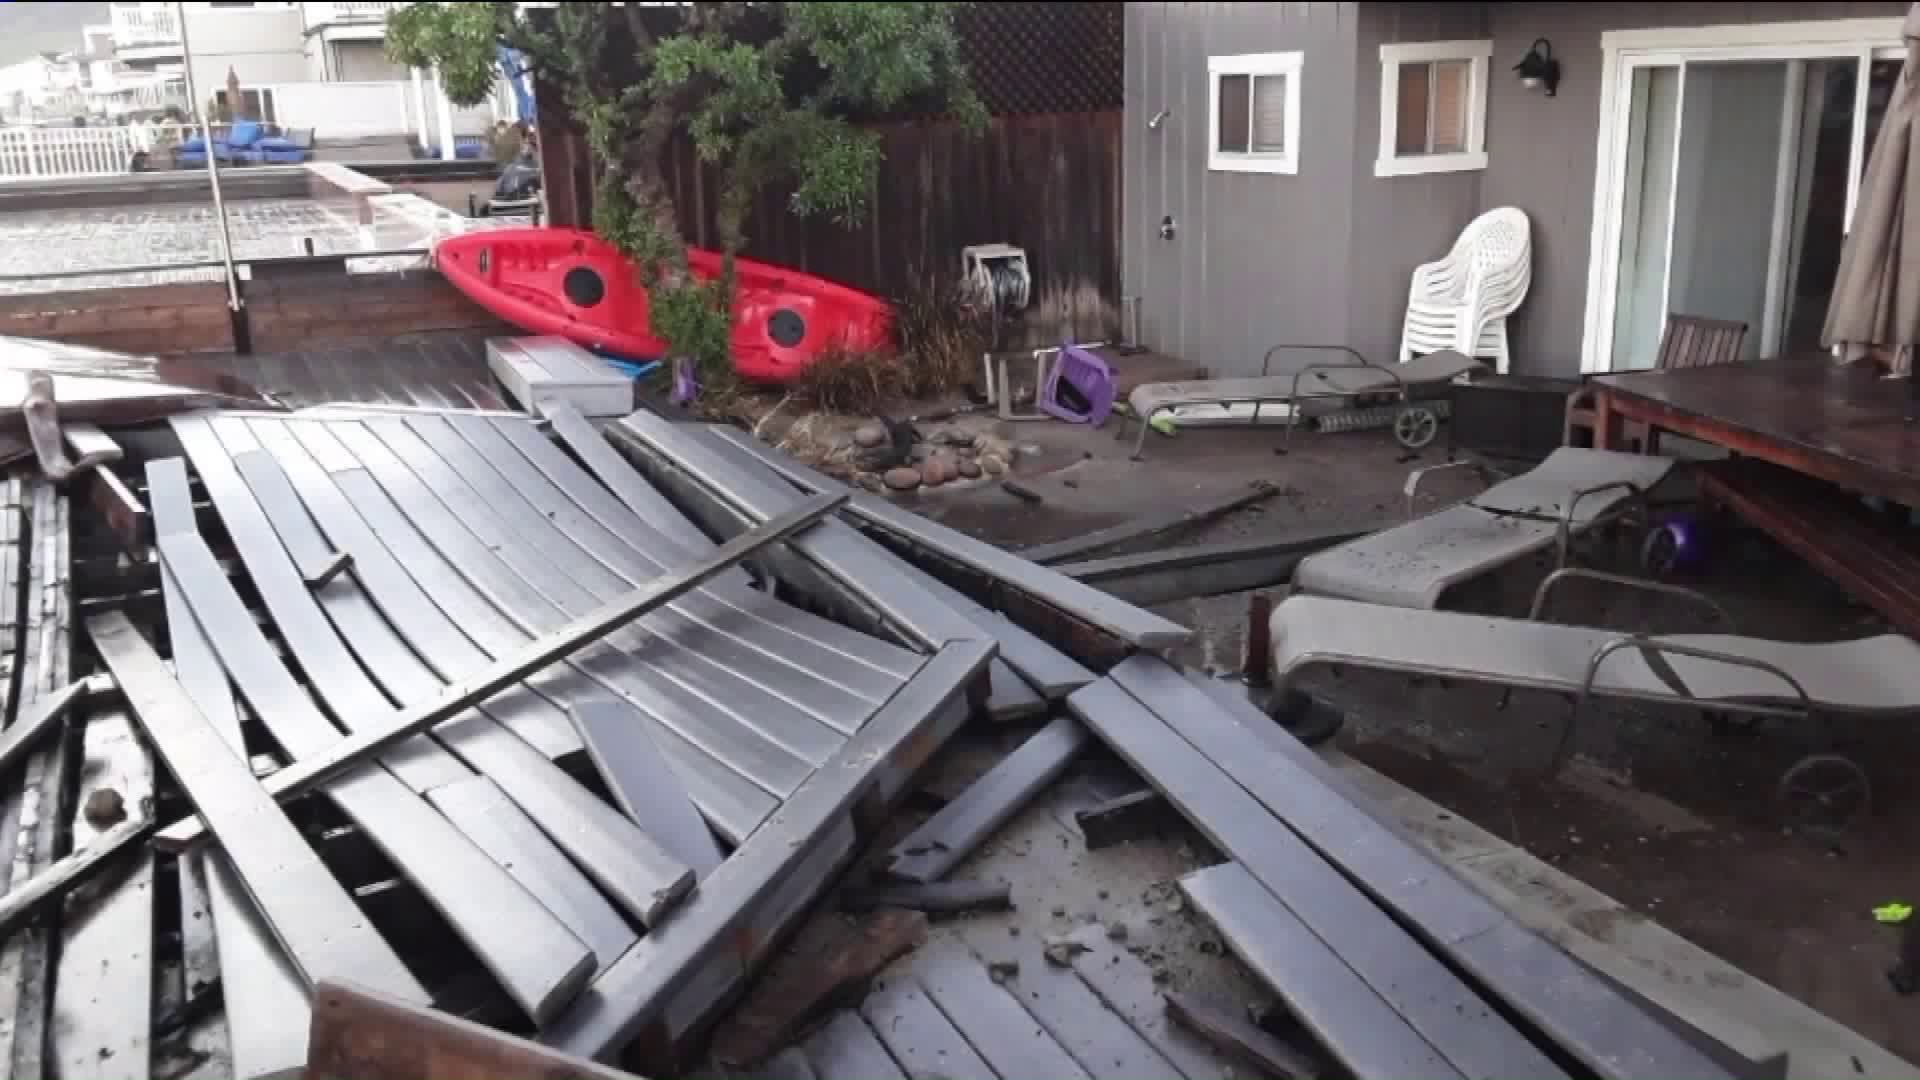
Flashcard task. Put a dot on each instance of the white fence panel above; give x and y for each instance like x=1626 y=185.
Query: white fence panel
x=54 y=152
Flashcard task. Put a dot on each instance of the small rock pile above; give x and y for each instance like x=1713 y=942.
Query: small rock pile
x=947 y=456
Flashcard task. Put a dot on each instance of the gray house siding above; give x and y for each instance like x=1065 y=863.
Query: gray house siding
x=1256 y=258
x=1541 y=149
x=1325 y=256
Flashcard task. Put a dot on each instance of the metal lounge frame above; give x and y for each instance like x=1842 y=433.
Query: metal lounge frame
x=1563 y=521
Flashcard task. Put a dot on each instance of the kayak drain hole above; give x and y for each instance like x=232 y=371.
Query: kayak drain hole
x=583 y=287
x=786 y=328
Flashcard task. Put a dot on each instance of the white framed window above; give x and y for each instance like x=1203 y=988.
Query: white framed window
x=1433 y=107
x=1253 y=112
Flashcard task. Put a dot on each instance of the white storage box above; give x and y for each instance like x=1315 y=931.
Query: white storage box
x=537 y=368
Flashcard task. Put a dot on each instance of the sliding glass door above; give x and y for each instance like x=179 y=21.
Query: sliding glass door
x=1729 y=176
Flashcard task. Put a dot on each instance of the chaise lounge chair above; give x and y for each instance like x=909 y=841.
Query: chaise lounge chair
x=1412 y=565
x=1871 y=676
x=1415 y=427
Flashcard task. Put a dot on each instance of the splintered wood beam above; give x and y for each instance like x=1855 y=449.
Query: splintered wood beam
x=543 y=652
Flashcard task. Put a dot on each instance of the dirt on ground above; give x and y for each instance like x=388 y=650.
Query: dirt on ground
x=1671 y=811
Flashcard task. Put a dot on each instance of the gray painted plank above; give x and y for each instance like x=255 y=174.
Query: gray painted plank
x=732 y=612
x=731 y=738
x=1360 y=1030
x=538 y=961
x=788 y=1064
x=1389 y=964
x=208 y=1038
x=643 y=784
x=994 y=1021
x=624 y=519
x=407 y=575
x=623 y=859
x=311 y=915
x=639 y=989
x=1139 y=628
x=627 y=486
x=730 y=802
x=706 y=663
x=918 y=1034
x=949 y=836
x=845 y=1048
x=267 y=1019
x=1053 y=673
x=1124 y=984
x=505 y=833
x=754 y=496
x=1098 y=1037
x=103 y=984
x=1008 y=695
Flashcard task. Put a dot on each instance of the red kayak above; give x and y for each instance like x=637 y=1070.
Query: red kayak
x=572 y=284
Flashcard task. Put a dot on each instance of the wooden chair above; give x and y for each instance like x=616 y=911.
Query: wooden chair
x=1690 y=341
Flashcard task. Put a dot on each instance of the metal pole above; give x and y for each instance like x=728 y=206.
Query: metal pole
x=213 y=168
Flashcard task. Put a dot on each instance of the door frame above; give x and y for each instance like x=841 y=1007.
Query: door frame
x=1624 y=51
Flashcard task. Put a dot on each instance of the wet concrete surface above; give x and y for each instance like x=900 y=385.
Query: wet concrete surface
x=1672 y=817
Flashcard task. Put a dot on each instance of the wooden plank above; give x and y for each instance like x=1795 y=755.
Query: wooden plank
x=36 y=720
x=633 y=995
x=122 y=509
x=388 y=555
x=919 y=1036
x=791 y=706
x=1355 y=1025
x=1051 y=672
x=1138 y=628
x=949 y=836
x=347 y=754
x=358 y=1033
x=753 y=494
x=1077 y=548
x=506 y=834
x=1008 y=695
x=994 y=1021
x=103 y=984
x=788 y=1064
x=635 y=493
x=642 y=783
x=942 y=897
x=1386 y=971
x=732 y=614
x=845 y=1047
x=1118 y=820
x=772 y=755
x=1243 y=1039
x=1576 y=1008
x=779 y=1007
x=58 y=878
x=1099 y=1038
x=309 y=913
x=266 y=1020
x=539 y=962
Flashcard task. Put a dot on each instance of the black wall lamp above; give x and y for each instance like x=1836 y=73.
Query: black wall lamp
x=1538 y=70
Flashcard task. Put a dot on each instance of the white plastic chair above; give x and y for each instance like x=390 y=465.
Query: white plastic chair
x=1462 y=301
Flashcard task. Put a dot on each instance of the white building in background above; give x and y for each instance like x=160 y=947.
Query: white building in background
x=42 y=88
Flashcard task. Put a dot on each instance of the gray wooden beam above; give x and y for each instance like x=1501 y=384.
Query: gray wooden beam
x=323 y=933
x=994 y=1021
x=643 y=785
x=350 y=752
x=846 y=1047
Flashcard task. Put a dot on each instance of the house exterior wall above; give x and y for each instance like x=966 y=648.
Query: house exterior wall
x=1541 y=150
x=1256 y=258
x=263 y=46
x=1325 y=256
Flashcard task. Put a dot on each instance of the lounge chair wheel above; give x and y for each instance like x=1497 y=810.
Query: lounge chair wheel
x=1824 y=792
x=1416 y=426
x=1306 y=717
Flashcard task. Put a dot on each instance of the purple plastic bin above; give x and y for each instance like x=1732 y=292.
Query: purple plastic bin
x=1089 y=376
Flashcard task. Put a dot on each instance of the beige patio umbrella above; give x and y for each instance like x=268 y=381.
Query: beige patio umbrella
x=1876 y=297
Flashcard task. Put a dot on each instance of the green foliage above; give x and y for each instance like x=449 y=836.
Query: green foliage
x=764 y=91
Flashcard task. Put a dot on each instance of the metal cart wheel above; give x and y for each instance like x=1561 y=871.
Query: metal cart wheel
x=1824 y=792
x=1416 y=426
x=1660 y=553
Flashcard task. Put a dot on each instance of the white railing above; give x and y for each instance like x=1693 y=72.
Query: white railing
x=325 y=12
x=148 y=24
x=51 y=153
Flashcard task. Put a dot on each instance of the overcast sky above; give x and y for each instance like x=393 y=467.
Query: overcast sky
x=28 y=28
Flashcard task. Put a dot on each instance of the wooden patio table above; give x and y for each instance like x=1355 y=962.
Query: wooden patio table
x=1848 y=427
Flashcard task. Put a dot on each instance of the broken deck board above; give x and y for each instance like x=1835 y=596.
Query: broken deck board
x=423 y=593
x=323 y=933
x=103 y=985
x=1099 y=1038
x=643 y=785
x=1577 y=1008
x=950 y=835
x=846 y=1047
x=1346 y=931
x=994 y=1021
x=919 y=1035
x=537 y=960
x=1051 y=672
x=1126 y=985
